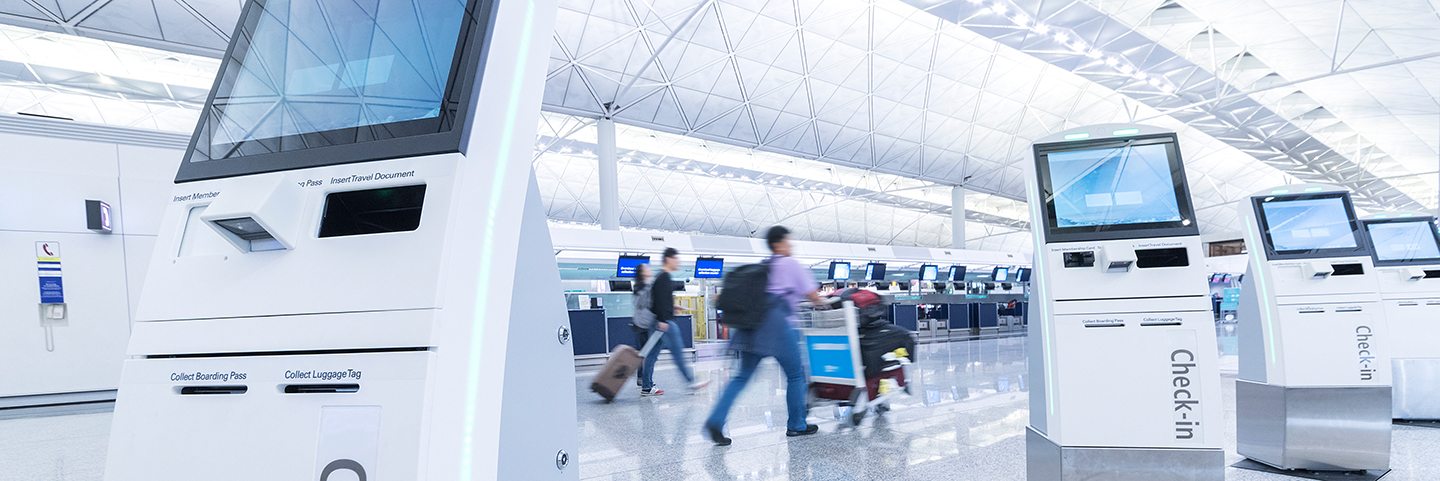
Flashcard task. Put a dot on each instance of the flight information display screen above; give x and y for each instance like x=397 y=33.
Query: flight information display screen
x=929 y=272
x=1000 y=274
x=1308 y=224
x=709 y=267
x=1115 y=188
x=305 y=74
x=957 y=273
x=625 y=267
x=1128 y=185
x=1401 y=242
x=875 y=271
x=840 y=271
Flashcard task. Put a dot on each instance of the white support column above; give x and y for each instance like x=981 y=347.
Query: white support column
x=957 y=217
x=609 y=175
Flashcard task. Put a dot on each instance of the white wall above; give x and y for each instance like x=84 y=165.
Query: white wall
x=48 y=168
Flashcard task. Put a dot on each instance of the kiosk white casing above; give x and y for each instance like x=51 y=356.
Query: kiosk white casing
x=1314 y=385
x=1407 y=264
x=434 y=351
x=1125 y=383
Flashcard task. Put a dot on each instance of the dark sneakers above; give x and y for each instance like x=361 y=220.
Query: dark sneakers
x=809 y=429
x=717 y=436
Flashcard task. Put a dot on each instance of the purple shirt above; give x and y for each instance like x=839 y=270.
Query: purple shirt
x=790 y=280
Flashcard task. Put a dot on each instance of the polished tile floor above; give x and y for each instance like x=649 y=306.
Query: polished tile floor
x=966 y=423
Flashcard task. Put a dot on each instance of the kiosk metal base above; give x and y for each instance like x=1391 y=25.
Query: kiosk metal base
x=1313 y=428
x=1047 y=461
x=1416 y=393
x=1371 y=475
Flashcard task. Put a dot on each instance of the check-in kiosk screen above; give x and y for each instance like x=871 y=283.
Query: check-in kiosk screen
x=305 y=74
x=1299 y=226
x=1404 y=242
x=929 y=272
x=1114 y=188
x=840 y=271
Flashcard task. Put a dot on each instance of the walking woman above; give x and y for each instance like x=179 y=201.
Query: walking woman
x=789 y=283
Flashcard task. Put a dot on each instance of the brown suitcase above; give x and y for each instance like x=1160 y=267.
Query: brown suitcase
x=623 y=363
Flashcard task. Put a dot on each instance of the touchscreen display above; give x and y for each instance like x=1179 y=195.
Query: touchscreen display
x=1126 y=185
x=1403 y=241
x=1308 y=224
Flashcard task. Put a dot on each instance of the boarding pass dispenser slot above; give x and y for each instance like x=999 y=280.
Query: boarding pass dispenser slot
x=1318 y=270
x=321 y=388
x=1118 y=260
x=212 y=390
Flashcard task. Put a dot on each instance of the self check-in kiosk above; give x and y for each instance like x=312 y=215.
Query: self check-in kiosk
x=1406 y=252
x=1314 y=386
x=354 y=279
x=1121 y=306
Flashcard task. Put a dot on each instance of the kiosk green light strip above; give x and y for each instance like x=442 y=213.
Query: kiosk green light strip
x=487 y=249
x=1044 y=314
x=1255 y=260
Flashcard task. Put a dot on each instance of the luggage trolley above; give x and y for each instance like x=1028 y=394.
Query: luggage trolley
x=831 y=341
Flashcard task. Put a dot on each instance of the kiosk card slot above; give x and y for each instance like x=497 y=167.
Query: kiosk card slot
x=321 y=388
x=1311 y=310
x=208 y=390
x=1080 y=259
x=1432 y=303
x=1350 y=309
x=1409 y=303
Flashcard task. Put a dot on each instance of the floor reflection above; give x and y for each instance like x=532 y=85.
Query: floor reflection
x=968 y=406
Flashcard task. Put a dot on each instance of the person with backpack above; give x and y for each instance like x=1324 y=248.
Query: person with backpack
x=642 y=320
x=786 y=283
x=662 y=311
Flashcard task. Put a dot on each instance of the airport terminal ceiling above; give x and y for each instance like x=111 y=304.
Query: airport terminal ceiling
x=944 y=93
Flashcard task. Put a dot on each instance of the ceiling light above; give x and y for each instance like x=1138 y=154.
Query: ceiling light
x=1061 y=37
x=1112 y=61
x=1041 y=29
x=1093 y=53
x=1139 y=75
x=999 y=9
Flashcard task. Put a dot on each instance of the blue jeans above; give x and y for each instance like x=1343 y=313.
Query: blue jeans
x=670 y=340
x=790 y=363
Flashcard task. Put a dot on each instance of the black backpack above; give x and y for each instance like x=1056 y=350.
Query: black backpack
x=743 y=303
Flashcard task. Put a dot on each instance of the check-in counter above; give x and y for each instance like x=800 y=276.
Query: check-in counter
x=962 y=323
x=987 y=316
x=595 y=336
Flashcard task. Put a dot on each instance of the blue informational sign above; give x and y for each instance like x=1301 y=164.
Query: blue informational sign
x=830 y=356
x=1231 y=300
x=47 y=260
x=709 y=268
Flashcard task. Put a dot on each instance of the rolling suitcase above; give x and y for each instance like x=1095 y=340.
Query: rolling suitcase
x=623 y=363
